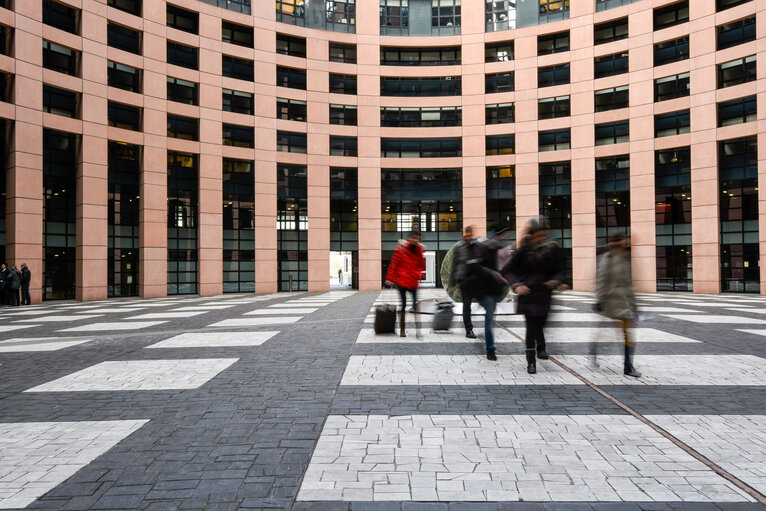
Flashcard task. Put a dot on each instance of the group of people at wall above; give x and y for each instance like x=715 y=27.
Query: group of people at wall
x=534 y=270
x=13 y=281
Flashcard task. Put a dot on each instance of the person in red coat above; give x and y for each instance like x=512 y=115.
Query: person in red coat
x=404 y=271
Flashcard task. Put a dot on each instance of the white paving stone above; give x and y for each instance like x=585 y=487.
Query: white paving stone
x=666 y=370
x=737 y=443
x=713 y=318
x=9 y=328
x=294 y=310
x=215 y=340
x=34 y=312
x=296 y=305
x=450 y=370
x=35 y=457
x=168 y=315
x=643 y=308
x=756 y=332
x=204 y=308
x=124 y=325
x=20 y=345
x=751 y=311
x=114 y=310
x=237 y=322
x=605 y=334
x=139 y=375
x=504 y=457
x=565 y=317
x=57 y=319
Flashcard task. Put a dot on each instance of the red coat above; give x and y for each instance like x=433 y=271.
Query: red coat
x=407 y=265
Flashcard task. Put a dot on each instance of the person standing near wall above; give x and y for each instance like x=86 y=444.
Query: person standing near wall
x=4 y=289
x=26 y=277
x=461 y=252
x=14 y=283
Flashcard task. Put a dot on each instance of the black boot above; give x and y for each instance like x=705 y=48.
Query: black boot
x=531 y=363
x=629 y=369
x=402 y=318
x=541 y=353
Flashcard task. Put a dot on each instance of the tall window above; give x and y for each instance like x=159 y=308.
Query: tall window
x=394 y=17
x=673 y=212
x=500 y=15
x=183 y=205
x=612 y=197
x=341 y=15
x=59 y=214
x=553 y=43
x=344 y=216
x=291 y=11
x=553 y=10
x=4 y=130
x=292 y=227
x=738 y=181
x=238 y=226
x=445 y=17
x=501 y=198
x=556 y=203
x=123 y=200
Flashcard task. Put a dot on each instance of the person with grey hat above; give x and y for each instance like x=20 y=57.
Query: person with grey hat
x=534 y=270
x=26 y=277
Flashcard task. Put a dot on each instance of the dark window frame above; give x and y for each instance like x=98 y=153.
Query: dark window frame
x=560 y=106
x=230 y=105
x=342 y=52
x=292 y=142
x=421 y=56
x=62 y=17
x=421 y=86
x=740 y=111
x=343 y=115
x=182 y=91
x=123 y=116
x=240 y=35
x=747 y=67
x=611 y=65
x=559 y=75
x=237 y=68
x=499 y=113
x=681 y=123
x=675 y=14
x=673 y=50
x=343 y=146
x=608 y=133
x=237 y=136
x=182 y=19
x=610 y=31
x=409 y=117
x=554 y=140
x=182 y=55
x=342 y=84
x=117 y=74
x=123 y=38
x=52 y=53
x=291 y=77
x=611 y=92
x=499 y=82
x=182 y=127
x=735 y=33
x=291 y=45
x=291 y=109
x=442 y=147
x=681 y=87
x=499 y=52
x=559 y=42
x=499 y=144
x=130 y=6
x=61 y=102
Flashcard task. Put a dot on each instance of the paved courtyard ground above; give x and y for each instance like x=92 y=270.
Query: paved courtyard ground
x=290 y=401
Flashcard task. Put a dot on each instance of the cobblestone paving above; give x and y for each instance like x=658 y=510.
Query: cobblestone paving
x=290 y=401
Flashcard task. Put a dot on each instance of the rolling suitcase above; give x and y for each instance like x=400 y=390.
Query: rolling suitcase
x=443 y=316
x=385 y=319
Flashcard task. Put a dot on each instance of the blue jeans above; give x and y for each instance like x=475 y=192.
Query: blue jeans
x=489 y=302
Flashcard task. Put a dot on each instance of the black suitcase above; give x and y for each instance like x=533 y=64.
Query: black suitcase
x=443 y=316
x=385 y=319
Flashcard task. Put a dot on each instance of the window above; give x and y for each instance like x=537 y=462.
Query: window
x=500 y=15
x=130 y=6
x=238 y=136
x=737 y=32
x=610 y=65
x=612 y=133
x=725 y=4
x=736 y=72
x=394 y=17
x=183 y=208
x=445 y=17
x=498 y=52
x=290 y=77
x=397 y=56
x=59 y=58
x=123 y=77
x=498 y=82
x=182 y=55
x=291 y=142
x=500 y=144
x=293 y=46
x=6 y=40
x=420 y=117
x=60 y=16
x=291 y=109
x=6 y=89
x=182 y=91
x=602 y=5
x=342 y=84
x=553 y=43
x=345 y=53
x=340 y=15
x=612 y=197
x=437 y=86
x=611 y=99
x=499 y=113
x=343 y=114
x=549 y=6
x=124 y=38
x=551 y=108
x=421 y=147
x=124 y=116
x=238 y=226
x=182 y=19
x=610 y=31
x=240 y=69
x=671 y=87
x=674 y=123
x=59 y=101
x=672 y=14
x=553 y=75
x=238 y=102
x=237 y=34
x=737 y=111
x=123 y=211
x=291 y=11
x=671 y=51
x=554 y=140
x=343 y=146
x=182 y=127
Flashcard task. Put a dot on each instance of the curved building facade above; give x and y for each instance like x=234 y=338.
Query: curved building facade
x=159 y=147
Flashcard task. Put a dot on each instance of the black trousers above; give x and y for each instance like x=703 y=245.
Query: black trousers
x=467 y=299
x=14 y=294
x=535 y=336
x=25 y=298
x=403 y=297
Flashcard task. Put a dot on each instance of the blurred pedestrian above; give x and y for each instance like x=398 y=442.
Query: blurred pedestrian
x=4 y=289
x=614 y=293
x=484 y=282
x=26 y=277
x=340 y=276
x=404 y=271
x=14 y=283
x=534 y=271
x=461 y=252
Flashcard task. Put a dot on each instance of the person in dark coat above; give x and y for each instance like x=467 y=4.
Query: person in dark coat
x=26 y=277
x=457 y=275
x=485 y=283
x=5 y=291
x=14 y=283
x=404 y=271
x=534 y=270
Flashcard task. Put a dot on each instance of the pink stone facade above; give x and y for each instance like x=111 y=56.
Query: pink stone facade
x=24 y=185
